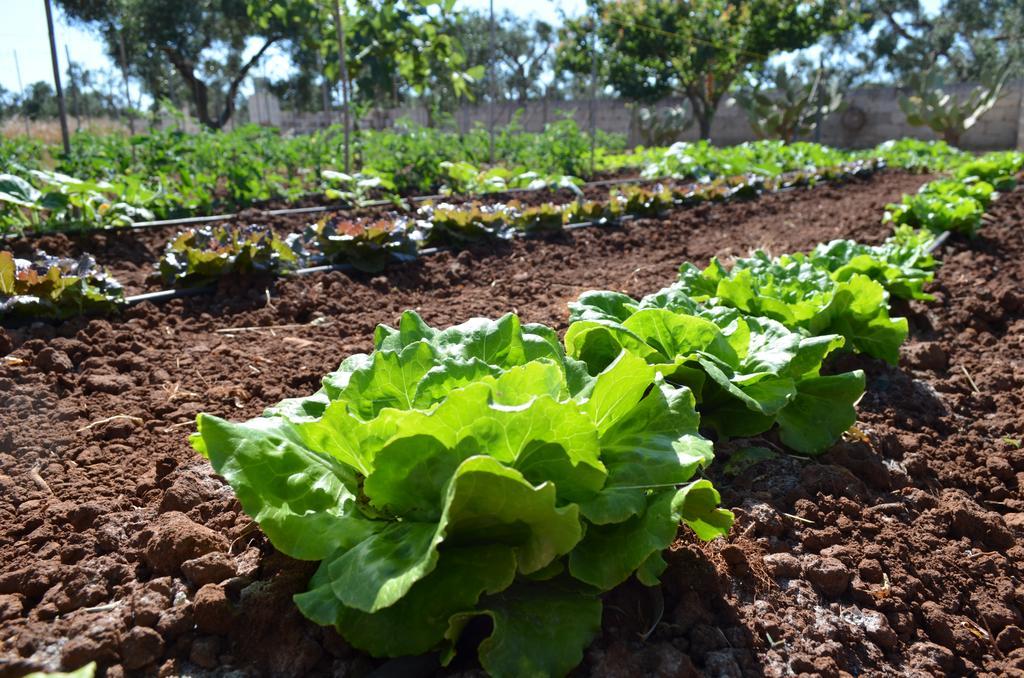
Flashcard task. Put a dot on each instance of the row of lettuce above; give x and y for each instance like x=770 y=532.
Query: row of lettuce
x=492 y=471
x=59 y=288
x=108 y=183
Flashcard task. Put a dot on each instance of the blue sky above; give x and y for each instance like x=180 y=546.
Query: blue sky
x=23 y=30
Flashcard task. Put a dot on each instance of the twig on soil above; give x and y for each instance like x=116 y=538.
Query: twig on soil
x=316 y=322
x=246 y=531
x=13 y=360
x=174 y=391
x=802 y=520
x=137 y=420
x=971 y=380
x=772 y=643
x=101 y=608
x=38 y=480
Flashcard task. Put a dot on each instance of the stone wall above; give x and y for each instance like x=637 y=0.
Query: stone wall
x=872 y=116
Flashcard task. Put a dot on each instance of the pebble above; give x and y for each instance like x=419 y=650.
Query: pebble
x=828 y=575
x=140 y=646
x=176 y=539
x=782 y=565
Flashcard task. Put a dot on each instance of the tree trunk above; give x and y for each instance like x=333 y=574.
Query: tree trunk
x=200 y=90
x=952 y=136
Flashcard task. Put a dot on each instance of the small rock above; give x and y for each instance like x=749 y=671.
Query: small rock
x=828 y=575
x=81 y=516
x=140 y=646
x=100 y=645
x=926 y=355
x=782 y=565
x=870 y=570
x=182 y=495
x=999 y=467
x=735 y=557
x=931 y=658
x=204 y=652
x=768 y=520
x=114 y=384
x=877 y=628
x=1010 y=639
x=722 y=664
x=936 y=624
x=176 y=539
x=380 y=283
x=51 y=360
x=1014 y=521
x=212 y=609
x=211 y=568
x=11 y=606
x=175 y=621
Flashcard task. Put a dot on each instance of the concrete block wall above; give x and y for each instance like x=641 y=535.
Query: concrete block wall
x=1002 y=127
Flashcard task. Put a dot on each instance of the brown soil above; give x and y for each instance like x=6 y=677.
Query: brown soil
x=896 y=554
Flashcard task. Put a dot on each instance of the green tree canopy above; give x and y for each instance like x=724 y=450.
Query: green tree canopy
x=650 y=49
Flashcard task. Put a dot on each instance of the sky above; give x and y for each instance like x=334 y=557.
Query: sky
x=23 y=31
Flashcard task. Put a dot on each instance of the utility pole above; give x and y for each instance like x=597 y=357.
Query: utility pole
x=21 y=88
x=56 y=81
x=493 y=77
x=339 y=27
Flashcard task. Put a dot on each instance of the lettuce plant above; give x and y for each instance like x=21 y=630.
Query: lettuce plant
x=202 y=255
x=368 y=246
x=902 y=264
x=749 y=374
x=944 y=205
x=792 y=290
x=470 y=472
x=54 y=287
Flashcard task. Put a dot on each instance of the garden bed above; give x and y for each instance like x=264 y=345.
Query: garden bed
x=887 y=555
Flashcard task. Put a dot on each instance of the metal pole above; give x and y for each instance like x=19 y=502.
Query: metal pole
x=75 y=87
x=124 y=77
x=21 y=88
x=56 y=81
x=492 y=71
x=593 y=93
x=339 y=27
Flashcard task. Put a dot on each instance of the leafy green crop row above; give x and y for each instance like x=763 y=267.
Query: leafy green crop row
x=200 y=256
x=958 y=204
x=171 y=174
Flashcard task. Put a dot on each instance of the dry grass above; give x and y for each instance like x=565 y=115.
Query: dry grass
x=48 y=131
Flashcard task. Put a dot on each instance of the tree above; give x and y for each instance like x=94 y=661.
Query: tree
x=798 y=99
x=649 y=49
x=395 y=49
x=204 y=41
x=929 y=105
x=962 y=40
x=38 y=101
x=523 y=53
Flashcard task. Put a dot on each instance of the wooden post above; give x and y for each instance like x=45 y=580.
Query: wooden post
x=124 y=77
x=593 y=93
x=339 y=27
x=75 y=90
x=492 y=72
x=65 y=137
